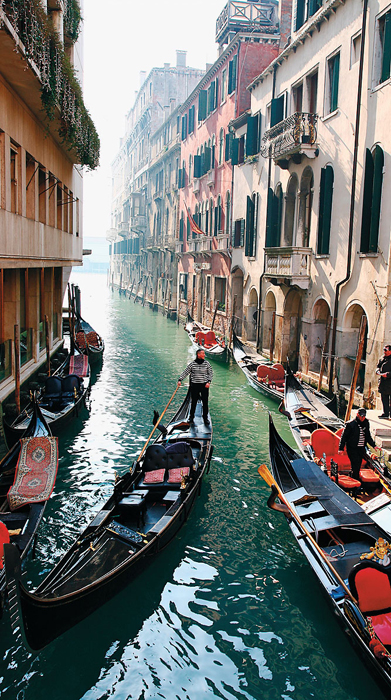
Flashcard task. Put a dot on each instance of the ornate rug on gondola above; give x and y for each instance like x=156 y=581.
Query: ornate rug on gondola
x=78 y=364
x=35 y=473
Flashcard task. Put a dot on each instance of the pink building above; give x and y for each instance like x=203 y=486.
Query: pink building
x=249 y=39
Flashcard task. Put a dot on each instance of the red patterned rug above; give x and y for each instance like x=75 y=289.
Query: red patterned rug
x=78 y=364
x=35 y=473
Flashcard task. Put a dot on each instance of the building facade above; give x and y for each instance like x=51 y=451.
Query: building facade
x=317 y=194
x=45 y=134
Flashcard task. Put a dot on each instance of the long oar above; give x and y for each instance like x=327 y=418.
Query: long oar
x=155 y=426
x=270 y=480
x=311 y=417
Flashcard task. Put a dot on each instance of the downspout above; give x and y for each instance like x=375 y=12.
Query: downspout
x=352 y=197
x=269 y=178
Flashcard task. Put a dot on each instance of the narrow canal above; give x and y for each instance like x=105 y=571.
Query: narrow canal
x=230 y=609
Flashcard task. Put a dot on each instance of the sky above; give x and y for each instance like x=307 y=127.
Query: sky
x=122 y=38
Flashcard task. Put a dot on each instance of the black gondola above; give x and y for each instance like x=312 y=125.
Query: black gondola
x=345 y=548
x=204 y=338
x=143 y=514
x=88 y=341
x=65 y=393
x=19 y=521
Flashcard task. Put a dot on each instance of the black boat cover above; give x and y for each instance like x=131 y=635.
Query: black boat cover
x=335 y=501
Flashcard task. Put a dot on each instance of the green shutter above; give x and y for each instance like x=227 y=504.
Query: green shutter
x=210 y=97
x=228 y=146
x=191 y=119
x=325 y=209
x=252 y=136
x=300 y=6
x=367 y=202
x=334 y=83
x=232 y=71
x=235 y=151
x=277 y=110
x=202 y=105
x=207 y=159
x=216 y=92
x=250 y=215
x=386 y=59
x=184 y=127
x=269 y=219
x=319 y=248
x=378 y=158
x=242 y=229
x=181 y=228
x=197 y=166
x=237 y=233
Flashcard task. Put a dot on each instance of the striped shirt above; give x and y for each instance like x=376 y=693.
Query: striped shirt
x=361 y=440
x=200 y=373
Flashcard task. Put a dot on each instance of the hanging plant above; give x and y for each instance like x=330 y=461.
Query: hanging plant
x=72 y=20
x=60 y=89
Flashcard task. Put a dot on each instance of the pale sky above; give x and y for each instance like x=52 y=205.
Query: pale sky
x=122 y=38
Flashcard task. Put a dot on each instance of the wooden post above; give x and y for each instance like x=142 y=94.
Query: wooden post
x=155 y=303
x=17 y=366
x=131 y=291
x=324 y=349
x=214 y=315
x=361 y=340
x=1 y=306
x=232 y=322
x=47 y=344
x=145 y=291
x=272 y=335
x=135 y=297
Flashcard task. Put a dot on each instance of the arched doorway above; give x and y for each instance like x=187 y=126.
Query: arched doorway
x=252 y=315
x=320 y=329
x=237 y=299
x=293 y=312
x=305 y=208
x=269 y=325
x=347 y=346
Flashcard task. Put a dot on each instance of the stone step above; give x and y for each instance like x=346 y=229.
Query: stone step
x=383 y=432
x=385 y=444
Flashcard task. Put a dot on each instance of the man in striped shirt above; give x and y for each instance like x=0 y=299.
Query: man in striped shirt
x=356 y=436
x=201 y=375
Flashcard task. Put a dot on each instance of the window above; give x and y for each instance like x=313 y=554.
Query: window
x=251 y=225
x=228 y=213
x=207 y=299
x=221 y=146
x=190 y=166
x=253 y=135
x=218 y=217
x=220 y=291
x=325 y=207
x=191 y=119
x=202 y=105
x=183 y=286
x=312 y=89
x=232 y=74
x=355 y=49
x=383 y=48
x=239 y=228
x=14 y=173
x=277 y=110
x=297 y=98
x=332 y=84
x=224 y=85
x=31 y=169
x=274 y=217
x=184 y=127
x=373 y=183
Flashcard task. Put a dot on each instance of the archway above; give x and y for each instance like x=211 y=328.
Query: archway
x=237 y=299
x=320 y=328
x=347 y=346
x=293 y=312
x=269 y=324
x=252 y=315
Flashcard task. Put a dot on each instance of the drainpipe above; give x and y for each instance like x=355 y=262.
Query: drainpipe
x=269 y=177
x=352 y=198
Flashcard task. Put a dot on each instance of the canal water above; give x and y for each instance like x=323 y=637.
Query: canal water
x=230 y=609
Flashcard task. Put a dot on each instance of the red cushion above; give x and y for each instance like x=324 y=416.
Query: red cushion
x=368 y=476
x=274 y=373
x=4 y=539
x=154 y=477
x=373 y=590
x=382 y=626
x=175 y=475
x=346 y=482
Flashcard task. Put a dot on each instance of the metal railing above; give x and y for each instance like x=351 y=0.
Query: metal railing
x=286 y=137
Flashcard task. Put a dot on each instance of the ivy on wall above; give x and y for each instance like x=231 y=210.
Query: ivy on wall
x=60 y=88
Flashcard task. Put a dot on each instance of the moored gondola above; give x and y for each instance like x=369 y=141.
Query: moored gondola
x=27 y=476
x=88 y=341
x=204 y=338
x=346 y=549
x=148 y=506
x=64 y=395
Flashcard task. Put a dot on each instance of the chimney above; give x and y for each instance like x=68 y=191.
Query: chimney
x=285 y=19
x=172 y=104
x=143 y=75
x=181 y=59
x=166 y=66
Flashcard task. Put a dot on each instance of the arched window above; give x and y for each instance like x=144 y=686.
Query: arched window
x=290 y=211
x=190 y=167
x=325 y=207
x=228 y=213
x=274 y=217
x=221 y=146
x=251 y=225
x=210 y=230
x=213 y=153
x=217 y=226
x=305 y=207
x=373 y=184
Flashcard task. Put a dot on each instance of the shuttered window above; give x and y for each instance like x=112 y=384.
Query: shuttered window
x=373 y=185
x=250 y=228
x=234 y=151
x=333 y=78
x=385 y=40
x=277 y=110
x=202 y=105
x=207 y=159
x=300 y=9
x=274 y=218
x=228 y=145
x=252 y=139
x=184 y=127
x=239 y=228
x=325 y=209
x=197 y=166
x=232 y=73
x=191 y=119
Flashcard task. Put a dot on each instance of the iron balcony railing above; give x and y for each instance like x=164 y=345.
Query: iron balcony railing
x=239 y=15
x=295 y=134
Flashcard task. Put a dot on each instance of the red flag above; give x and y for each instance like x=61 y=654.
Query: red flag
x=193 y=226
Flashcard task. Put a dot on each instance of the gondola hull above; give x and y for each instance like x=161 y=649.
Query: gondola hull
x=216 y=351
x=110 y=553
x=330 y=514
x=94 y=352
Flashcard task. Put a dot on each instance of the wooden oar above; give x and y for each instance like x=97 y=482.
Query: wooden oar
x=264 y=472
x=308 y=415
x=155 y=426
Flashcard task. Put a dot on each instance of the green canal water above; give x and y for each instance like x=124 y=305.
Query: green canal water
x=230 y=609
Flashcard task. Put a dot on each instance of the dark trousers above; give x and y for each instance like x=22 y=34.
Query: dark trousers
x=356 y=456
x=385 y=398
x=199 y=390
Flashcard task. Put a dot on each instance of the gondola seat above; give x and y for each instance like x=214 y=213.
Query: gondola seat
x=274 y=376
x=93 y=339
x=155 y=465
x=206 y=339
x=4 y=539
x=53 y=393
x=69 y=384
x=325 y=443
x=180 y=460
x=370 y=583
x=344 y=481
x=369 y=478
x=81 y=340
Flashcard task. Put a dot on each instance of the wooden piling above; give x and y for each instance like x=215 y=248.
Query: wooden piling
x=324 y=350
x=17 y=366
x=361 y=340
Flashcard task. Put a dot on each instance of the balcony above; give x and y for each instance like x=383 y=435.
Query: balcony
x=290 y=266
x=123 y=229
x=196 y=185
x=210 y=178
x=208 y=244
x=111 y=234
x=178 y=246
x=292 y=138
x=137 y=224
x=242 y=16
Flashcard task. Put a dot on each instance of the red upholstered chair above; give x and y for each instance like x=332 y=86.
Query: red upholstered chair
x=210 y=339
x=81 y=340
x=324 y=442
x=4 y=539
x=200 y=338
x=370 y=584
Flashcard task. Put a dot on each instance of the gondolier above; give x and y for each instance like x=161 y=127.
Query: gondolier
x=356 y=436
x=201 y=375
x=384 y=372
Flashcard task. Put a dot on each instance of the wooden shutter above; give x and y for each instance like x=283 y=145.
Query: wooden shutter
x=252 y=136
x=250 y=216
x=277 y=110
x=334 y=83
x=202 y=105
x=378 y=160
x=269 y=219
x=207 y=159
x=228 y=146
x=197 y=166
x=232 y=70
x=216 y=93
x=191 y=119
x=367 y=202
x=237 y=233
x=184 y=127
x=242 y=230
x=325 y=208
x=235 y=151
x=386 y=58
x=181 y=226
x=300 y=6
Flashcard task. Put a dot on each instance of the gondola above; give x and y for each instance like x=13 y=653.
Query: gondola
x=204 y=338
x=346 y=549
x=27 y=476
x=88 y=341
x=263 y=375
x=148 y=506
x=64 y=395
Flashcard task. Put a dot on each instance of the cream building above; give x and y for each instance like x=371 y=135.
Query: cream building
x=46 y=134
x=315 y=197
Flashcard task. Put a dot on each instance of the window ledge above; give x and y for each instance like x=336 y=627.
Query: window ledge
x=381 y=85
x=367 y=255
x=322 y=256
x=330 y=116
